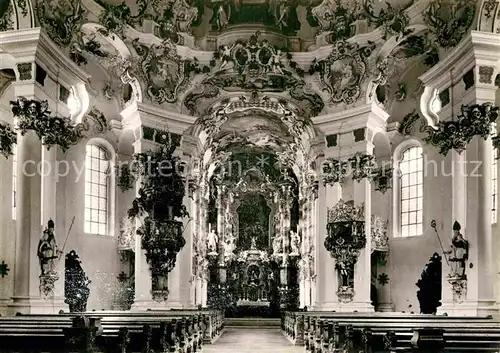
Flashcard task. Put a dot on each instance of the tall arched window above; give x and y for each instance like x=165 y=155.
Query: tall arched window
x=97 y=190
x=14 y=181
x=411 y=191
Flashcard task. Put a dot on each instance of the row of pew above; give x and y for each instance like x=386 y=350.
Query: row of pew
x=179 y=331
x=329 y=332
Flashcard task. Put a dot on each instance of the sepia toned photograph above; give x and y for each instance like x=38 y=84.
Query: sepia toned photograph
x=249 y=176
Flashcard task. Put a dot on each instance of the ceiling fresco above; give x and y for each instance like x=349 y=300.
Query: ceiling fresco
x=254 y=72
x=320 y=56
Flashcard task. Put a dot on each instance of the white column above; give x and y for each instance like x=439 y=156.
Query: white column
x=26 y=297
x=362 y=269
x=485 y=288
x=142 y=273
x=459 y=213
x=326 y=280
x=48 y=211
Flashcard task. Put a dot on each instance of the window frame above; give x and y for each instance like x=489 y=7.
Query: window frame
x=398 y=155
x=110 y=193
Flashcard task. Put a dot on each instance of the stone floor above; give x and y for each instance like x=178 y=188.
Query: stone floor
x=252 y=340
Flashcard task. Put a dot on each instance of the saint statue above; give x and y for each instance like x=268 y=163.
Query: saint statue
x=253 y=246
x=221 y=16
x=229 y=246
x=294 y=242
x=212 y=240
x=459 y=253
x=276 y=63
x=276 y=245
x=47 y=250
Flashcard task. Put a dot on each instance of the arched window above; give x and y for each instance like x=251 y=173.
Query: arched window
x=411 y=192
x=14 y=181
x=97 y=190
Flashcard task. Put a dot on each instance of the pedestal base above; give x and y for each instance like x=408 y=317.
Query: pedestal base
x=470 y=308
x=385 y=307
x=345 y=307
x=37 y=305
x=144 y=305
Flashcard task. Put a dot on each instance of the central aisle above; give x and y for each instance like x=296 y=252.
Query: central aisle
x=252 y=340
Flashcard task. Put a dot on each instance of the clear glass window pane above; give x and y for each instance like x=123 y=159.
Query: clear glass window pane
x=411 y=191
x=96 y=189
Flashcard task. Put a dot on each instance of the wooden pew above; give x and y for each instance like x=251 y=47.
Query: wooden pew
x=162 y=331
x=327 y=331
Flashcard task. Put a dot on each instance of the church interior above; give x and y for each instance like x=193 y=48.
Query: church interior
x=249 y=176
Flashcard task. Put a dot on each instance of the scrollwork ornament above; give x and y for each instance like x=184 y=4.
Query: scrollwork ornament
x=51 y=130
x=165 y=72
x=334 y=171
x=407 y=123
x=343 y=71
x=449 y=21
x=47 y=283
x=362 y=166
x=8 y=138
x=473 y=120
x=61 y=19
x=6 y=12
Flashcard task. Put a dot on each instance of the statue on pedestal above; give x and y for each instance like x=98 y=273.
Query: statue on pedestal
x=229 y=246
x=277 y=242
x=212 y=240
x=459 y=253
x=294 y=242
x=47 y=250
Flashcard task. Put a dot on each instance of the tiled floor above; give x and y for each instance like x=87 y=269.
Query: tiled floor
x=250 y=340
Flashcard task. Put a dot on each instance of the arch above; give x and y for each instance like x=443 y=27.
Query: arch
x=382 y=144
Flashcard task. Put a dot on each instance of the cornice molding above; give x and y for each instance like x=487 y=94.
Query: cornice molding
x=140 y=114
x=33 y=44
x=476 y=46
x=369 y=116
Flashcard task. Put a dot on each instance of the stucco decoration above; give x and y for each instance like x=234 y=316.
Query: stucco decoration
x=394 y=21
x=164 y=72
x=337 y=17
x=178 y=12
x=343 y=71
x=450 y=21
x=6 y=11
x=254 y=66
x=61 y=19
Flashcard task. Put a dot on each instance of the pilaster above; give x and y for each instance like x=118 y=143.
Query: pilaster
x=479 y=57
